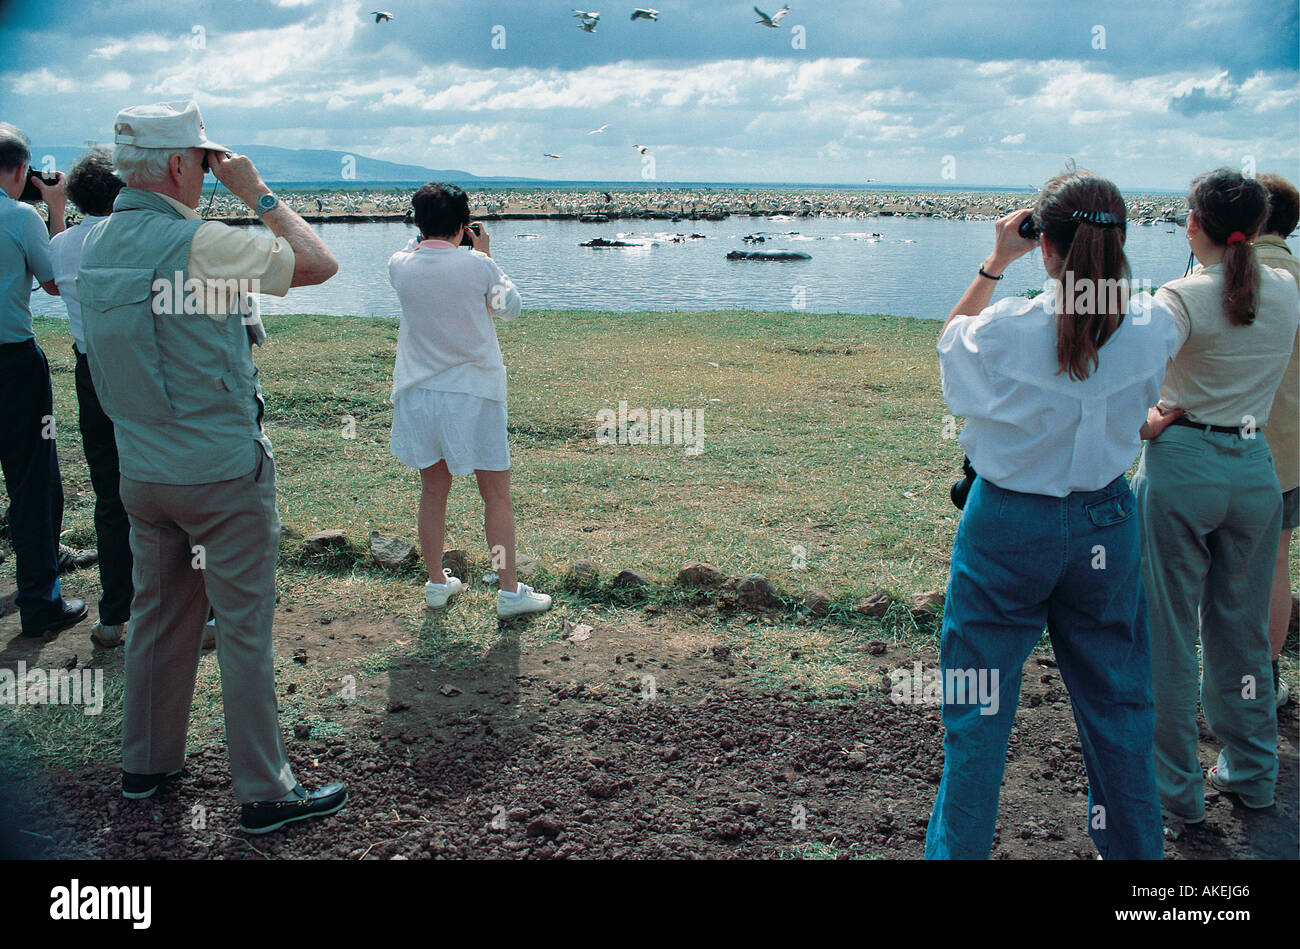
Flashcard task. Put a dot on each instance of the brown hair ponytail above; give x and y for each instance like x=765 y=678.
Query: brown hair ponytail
x=1231 y=208
x=1083 y=217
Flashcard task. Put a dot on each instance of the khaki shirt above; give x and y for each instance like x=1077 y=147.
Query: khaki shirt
x=223 y=252
x=1224 y=374
x=1284 y=419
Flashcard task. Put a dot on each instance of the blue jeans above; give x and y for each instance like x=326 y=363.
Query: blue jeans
x=1022 y=562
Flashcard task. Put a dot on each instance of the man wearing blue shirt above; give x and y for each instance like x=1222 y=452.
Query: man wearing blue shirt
x=27 y=451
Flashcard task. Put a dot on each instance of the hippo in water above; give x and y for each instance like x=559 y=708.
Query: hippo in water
x=768 y=255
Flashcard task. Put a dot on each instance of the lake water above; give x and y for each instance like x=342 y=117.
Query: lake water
x=916 y=267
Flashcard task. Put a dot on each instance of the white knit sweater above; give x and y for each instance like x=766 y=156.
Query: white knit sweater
x=447 y=341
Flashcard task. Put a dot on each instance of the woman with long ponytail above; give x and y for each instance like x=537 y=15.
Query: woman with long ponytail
x=1054 y=391
x=1210 y=503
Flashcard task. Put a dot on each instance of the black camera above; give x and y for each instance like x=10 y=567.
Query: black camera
x=1029 y=229
x=465 y=240
x=31 y=194
x=961 y=489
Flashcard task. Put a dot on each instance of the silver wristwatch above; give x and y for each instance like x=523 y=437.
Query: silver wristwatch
x=266 y=202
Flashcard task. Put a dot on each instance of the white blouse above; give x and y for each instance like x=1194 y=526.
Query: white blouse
x=1030 y=427
x=65 y=255
x=446 y=341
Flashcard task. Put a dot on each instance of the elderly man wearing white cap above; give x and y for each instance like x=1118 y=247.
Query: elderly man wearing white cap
x=197 y=475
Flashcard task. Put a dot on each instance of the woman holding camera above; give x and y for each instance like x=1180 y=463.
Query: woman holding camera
x=1211 y=505
x=1054 y=390
x=449 y=386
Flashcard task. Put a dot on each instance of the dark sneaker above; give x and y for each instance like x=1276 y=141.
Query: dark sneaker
x=70 y=613
x=266 y=816
x=139 y=786
x=70 y=559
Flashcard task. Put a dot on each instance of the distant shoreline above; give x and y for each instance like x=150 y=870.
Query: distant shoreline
x=599 y=206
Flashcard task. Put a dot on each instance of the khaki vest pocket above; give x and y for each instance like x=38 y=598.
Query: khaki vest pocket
x=126 y=361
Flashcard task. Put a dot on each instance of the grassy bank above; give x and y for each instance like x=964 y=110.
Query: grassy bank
x=825 y=464
x=824 y=460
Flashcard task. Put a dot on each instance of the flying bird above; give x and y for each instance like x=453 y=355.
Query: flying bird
x=589 y=20
x=599 y=130
x=381 y=15
x=645 y=13
x=774 y=19
x=641 y=148
x=549 y=155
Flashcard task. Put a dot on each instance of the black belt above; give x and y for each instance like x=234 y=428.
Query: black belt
x=1225 y=429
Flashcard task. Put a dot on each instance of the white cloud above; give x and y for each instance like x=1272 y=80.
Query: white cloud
x=42 y=82
x=113 y=81
x=137 y=45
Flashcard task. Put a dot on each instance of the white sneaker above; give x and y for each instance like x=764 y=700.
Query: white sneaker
x=437 y=594
x=1283 y=695
x=522 y=601
x=108 y=637
x=1218 y=784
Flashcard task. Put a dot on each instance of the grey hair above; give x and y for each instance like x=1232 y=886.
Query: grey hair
x=143 y=166
x=15 y=150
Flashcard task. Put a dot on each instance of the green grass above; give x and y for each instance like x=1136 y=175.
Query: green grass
x=823 y=445
x=825 y=464
x=825 y=461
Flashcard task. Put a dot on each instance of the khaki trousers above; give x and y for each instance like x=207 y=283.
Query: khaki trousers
x=1211 y=513
x=194 y=545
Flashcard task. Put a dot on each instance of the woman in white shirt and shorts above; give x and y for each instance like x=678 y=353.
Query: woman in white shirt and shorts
x=1054 y=390
x=449 y=386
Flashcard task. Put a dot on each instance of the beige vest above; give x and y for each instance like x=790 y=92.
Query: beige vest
x=1225 y=374
x=1284 y=419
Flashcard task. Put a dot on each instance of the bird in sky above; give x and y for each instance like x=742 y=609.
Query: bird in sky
x=773 y=20
x=599 y=130
x=589 y=20
x=641 y=148
x=645 y=13
x=381 y=15
x=550 y=155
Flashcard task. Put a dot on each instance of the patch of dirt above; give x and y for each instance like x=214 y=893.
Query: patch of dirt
x=546 y=748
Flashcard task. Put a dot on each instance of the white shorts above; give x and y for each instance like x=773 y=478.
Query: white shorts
x=467 y=432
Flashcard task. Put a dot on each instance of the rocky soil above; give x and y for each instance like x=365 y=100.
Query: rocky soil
x=550 y=748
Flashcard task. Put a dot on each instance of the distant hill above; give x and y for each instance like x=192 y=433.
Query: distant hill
x=308 y=166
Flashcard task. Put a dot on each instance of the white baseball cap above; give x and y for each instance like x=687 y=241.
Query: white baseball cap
x=163 y=125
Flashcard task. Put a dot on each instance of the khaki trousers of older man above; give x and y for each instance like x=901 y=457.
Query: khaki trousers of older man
x=194 y=545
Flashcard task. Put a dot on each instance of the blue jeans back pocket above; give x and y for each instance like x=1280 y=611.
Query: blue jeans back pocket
x=1111 y=511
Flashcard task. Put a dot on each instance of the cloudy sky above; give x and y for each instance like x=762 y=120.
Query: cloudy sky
x=972 y=92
